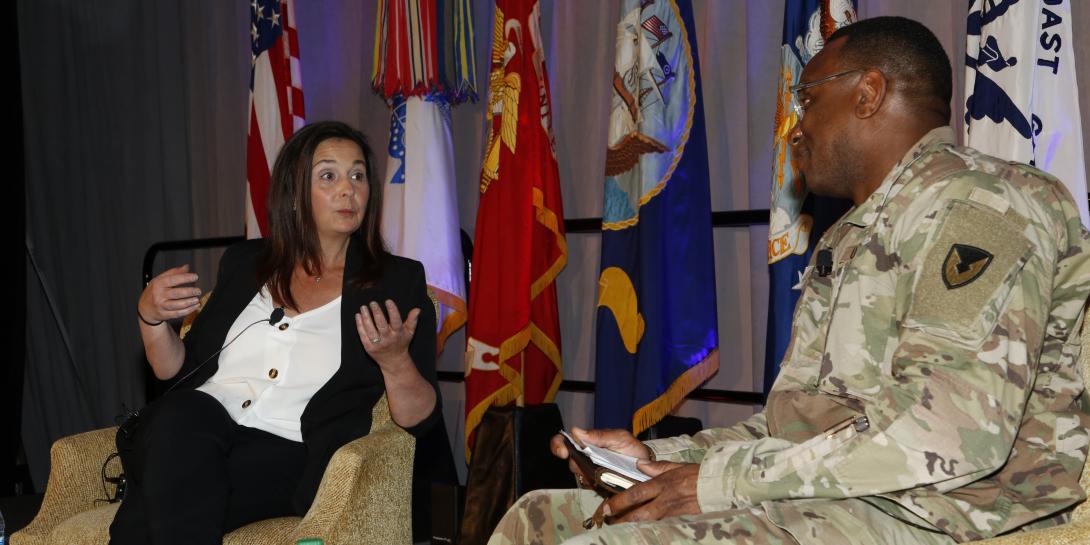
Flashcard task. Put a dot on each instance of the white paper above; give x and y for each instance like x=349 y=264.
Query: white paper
x=622 y=464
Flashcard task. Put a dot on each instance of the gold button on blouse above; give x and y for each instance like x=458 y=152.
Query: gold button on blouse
x=245 y=403
x=273 y=373
x=283 y=327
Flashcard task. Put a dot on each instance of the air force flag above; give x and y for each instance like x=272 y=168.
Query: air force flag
x=797 y=218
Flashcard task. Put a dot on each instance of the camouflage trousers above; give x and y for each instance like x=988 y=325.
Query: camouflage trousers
x=549 y=517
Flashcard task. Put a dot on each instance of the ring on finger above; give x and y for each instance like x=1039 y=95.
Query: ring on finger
x=376 y=340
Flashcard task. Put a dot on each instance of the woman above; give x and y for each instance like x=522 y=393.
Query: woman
x=312 y=320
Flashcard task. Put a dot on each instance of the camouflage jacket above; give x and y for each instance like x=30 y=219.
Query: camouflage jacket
x=933 y=371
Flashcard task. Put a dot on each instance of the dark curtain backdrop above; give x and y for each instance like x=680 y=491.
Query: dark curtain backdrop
x=135 y=130
x=108 y=170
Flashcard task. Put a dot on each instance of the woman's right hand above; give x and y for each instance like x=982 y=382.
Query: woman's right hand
x=170 y=295
x=621 y=441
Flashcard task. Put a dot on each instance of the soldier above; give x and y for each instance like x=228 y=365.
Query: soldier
x=931 y=392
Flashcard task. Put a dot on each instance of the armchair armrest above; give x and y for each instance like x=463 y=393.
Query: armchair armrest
x=75 y=480
x=366 y=491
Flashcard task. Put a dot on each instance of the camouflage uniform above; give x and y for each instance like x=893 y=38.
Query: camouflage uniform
x=932 y=374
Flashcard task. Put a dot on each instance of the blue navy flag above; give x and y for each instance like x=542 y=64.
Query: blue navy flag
x=657 y=332
x=796 y=218
x=1022 y=99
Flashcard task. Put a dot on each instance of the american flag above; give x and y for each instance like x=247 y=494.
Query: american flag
x=276 y=100
x=655 y=26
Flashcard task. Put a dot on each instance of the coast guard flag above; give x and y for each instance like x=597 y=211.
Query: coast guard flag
x=1022 y=99
x=420 y=80
x=276 y=100
x=796 y=218
x=513 y=346
x=657 y=336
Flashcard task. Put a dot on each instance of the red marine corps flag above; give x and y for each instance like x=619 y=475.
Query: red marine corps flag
x=513 y=347
x=276 y=100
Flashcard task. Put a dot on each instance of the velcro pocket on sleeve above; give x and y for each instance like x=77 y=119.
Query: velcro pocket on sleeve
x=966 y=276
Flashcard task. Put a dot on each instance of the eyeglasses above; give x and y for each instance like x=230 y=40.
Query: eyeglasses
x=796 y=103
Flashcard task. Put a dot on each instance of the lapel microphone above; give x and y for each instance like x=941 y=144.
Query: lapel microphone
x=273 y=319
x=824 y=264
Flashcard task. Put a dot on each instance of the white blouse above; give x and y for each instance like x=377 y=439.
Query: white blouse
x=268 y=375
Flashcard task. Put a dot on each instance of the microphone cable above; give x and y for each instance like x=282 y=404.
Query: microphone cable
x=131 y=418
x=273 y=319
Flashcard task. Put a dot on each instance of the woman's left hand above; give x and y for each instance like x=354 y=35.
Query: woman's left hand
x=387 y=341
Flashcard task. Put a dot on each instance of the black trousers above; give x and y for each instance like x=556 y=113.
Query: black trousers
x=194 y=474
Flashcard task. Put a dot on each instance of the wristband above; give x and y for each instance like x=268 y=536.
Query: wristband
x=142 y=319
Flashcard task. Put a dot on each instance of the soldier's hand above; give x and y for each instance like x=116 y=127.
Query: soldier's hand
x=670 y=493
x=616 y=440
x=558 y=445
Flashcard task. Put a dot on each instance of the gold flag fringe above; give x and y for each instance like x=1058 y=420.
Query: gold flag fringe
x=661 y=406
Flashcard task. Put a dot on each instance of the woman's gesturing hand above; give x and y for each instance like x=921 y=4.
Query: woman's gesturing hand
x=169 y=295
x=387 y=341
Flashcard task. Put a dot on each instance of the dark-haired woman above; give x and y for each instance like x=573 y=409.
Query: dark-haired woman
x=247 y=435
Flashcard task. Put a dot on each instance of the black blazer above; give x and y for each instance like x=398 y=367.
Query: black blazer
x=341 y=409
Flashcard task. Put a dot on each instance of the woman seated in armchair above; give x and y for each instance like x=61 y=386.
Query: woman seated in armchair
x=317 y=322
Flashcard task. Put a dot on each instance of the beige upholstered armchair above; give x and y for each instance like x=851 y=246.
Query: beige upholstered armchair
x=365 y=495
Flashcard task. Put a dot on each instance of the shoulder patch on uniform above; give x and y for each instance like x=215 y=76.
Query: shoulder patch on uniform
x=963 y=264
x=966 y=272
